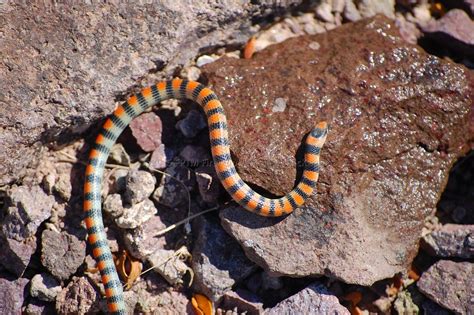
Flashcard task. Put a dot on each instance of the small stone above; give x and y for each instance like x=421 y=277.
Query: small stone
x=408 y=30
x=450 y=284
x=147 y=129
x=16 y=255
x=280 y=103
x=136 y=215
x=113 y=205
x=191 y=73
x=61 y=253
x=139 y=186
x=194 y=154
x=422 y=13
x=11 y=294
x=351 y=13
x=192 y=124
x=38 y=307
x=171 y=191
x=170 y=264
x=79 y=297
x=369 y=8
x=323 y=11
x=28 y=208
x=44 y=287
x=452 y=240
x=243 y=301
x=118 y=181
x=208 y=184
x=218 y=261
x=118 y=155
x=315 y=299
x=205 y=59
x=158 y=158
x=63 y=186
x=142 y=242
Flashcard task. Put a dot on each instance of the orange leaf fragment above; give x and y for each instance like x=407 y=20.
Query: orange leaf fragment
x=129 y=268
x=202 y=305
x=249 y=48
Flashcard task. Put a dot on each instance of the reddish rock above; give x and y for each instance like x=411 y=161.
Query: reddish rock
x=79 y=297
x=398 y=119
x=61 y=253
x=315 y=299
x=146 y=129
x=453 y=30
x=452 y=240
x=28 y=208
x=12 y=294
x=450 y=284
x=158 y=158
x=242 y=301
x=16 y=255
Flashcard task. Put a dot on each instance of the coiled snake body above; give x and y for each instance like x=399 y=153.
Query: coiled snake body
x=235 y=186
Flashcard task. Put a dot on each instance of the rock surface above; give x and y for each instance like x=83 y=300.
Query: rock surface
x=44 y=287
x=11 y=294
x=16 y=255
x=79 y=297
x=139 y=186
x=398 y=119
x=450 y=284
x=61 y=253
x=147 y=129
x=65 y=66
x=452 y=240
x=315 y=299
x=218 y=261
x=29 y=207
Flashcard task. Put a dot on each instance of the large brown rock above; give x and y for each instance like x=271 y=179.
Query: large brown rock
x=398 y=120
x=62 y=67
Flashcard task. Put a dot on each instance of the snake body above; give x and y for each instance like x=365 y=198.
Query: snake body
x=235 y=186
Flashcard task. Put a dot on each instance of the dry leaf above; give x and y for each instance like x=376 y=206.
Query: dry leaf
x=129 y=268
x=202 y=305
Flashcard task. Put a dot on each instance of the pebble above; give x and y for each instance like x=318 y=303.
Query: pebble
x=158 y=158
x=11 y=294
x=147 y=129
x=139 y=186
x=28 y=208
x=136 y=215
x=205 y=59
x=44 y=287
x=113 y=205
x=315 y=299
x=79 y=297
x=449 y=284
x=61 y=253
x=452 y=240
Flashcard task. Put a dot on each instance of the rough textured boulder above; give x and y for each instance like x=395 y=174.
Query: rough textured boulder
x=398 y=120
x=64 y=66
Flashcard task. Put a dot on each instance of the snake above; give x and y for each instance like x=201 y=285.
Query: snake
x=221 y=154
